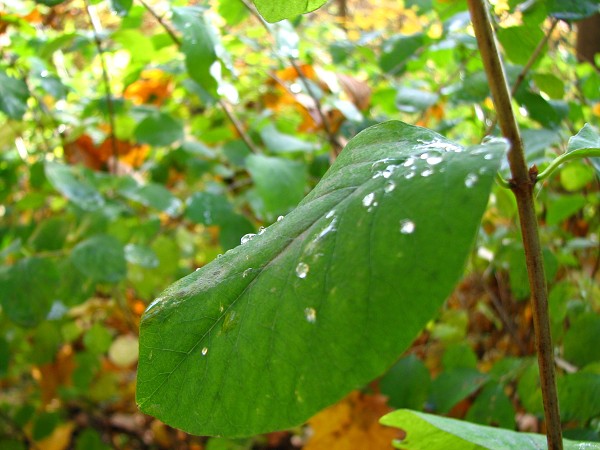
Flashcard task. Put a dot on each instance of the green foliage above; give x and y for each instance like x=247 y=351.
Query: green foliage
x=217 y=135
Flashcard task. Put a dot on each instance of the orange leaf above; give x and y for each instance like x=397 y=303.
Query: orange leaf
x=351 y=424
x=153 y=87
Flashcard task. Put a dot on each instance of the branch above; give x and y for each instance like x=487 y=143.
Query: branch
x=522 y=184
x=96 y=28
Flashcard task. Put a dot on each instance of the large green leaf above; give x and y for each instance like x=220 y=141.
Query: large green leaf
x=101 y=257
x=275 y=10
x=68 y=181
x=429 y=432
x=323 y=300
x=587 y=138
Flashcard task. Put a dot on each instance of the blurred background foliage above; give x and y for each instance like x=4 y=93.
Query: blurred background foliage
x=141 y=139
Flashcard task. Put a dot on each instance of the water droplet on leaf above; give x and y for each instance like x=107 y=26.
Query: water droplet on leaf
x=204 y=351
x=407 y=226
x=310 y=314
x=389 y=186
x=427 y=172
x=302 y=270
x=470 y=180
x=368 y=199
x=247 y=238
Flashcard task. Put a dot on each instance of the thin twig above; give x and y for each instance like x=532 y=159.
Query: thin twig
x=162 y=22
x=97 y=29
x=521 y=77
x=522 y=183
x=226 y=107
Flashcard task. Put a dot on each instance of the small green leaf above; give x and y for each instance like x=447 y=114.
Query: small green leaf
x=396 y=51
x=141 y=255
x=198 y=45
x=407 y=383
x=429 y=432
x=208 y=208
x=27 y=290
x=279 y=142
x=519 y=42
x=67 y=181
x=454 y=385
x=280 y=183
x=349 y=277
x=13 y=96
x=154 y=195
x=275 y=10
x=492 y=407
x=97 y=339
x=101 y=258
x=121 y=7
x=160 y=129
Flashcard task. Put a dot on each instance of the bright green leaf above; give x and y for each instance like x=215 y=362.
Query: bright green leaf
x=284 y=325
x=275 y=10
x=429 y=432
x=587 y=137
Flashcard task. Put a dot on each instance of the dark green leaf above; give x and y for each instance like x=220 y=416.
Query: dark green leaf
x=159 y=130
x=50 y=234
x=27 y=290
x=13 y=96
x=89 y=439
x=492 y=407
x=50 y=2
x=101 y=258
x=572 y=9
x=121 y=7
x=44 y=424
x=406 y=385
x=454 y=385
x=429 y=432
x=364 y=262
x=4 y=357
x=275 y=10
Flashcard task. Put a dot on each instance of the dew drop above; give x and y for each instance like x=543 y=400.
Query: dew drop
x=302 y=270
x=279 y=219
x=247 y=238
x=409 y=175
x=368 y=199
x=488 y=156
x=470 y=180
x=310 y=314
x=424 y=156
x=427 y=172
x=330 y=214
x=409 y=162
x=246 y=272
x=204 y=351
x=407 y=226
x=197 y=269
x=433 y=160
x=389 y=170
x=389 y=187
x=261 y=230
